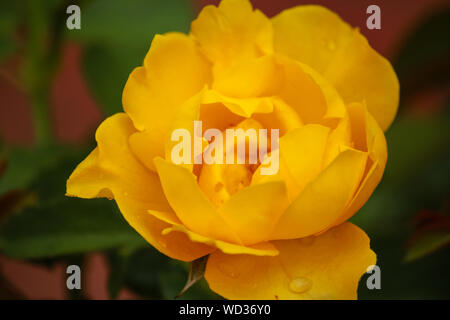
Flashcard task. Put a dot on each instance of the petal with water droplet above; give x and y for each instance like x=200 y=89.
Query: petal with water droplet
x=329 y=267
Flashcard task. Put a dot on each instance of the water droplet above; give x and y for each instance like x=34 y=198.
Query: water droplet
x=300 y=285
x=228 y=271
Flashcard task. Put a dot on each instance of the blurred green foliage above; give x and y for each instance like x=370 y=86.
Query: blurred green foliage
x=8 y=22
x=115 y=36
x=119 y=35
x=417 y=177
x=423 y=60
x=38 y=223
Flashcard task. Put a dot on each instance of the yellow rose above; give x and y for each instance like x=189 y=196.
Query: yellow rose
x=282 y=236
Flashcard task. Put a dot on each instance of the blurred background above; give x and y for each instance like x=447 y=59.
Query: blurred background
x=57 y=85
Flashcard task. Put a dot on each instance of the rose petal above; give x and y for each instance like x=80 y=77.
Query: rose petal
x=319 y=38
x=173 y=71
x=112 y=171
x=260 y=249
x=323 y=199
x=328 y=266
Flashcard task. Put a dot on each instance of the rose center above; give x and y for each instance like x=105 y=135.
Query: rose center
x=220 y=181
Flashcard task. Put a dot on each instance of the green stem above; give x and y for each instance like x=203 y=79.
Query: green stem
x=42 y=122
x=45 y=30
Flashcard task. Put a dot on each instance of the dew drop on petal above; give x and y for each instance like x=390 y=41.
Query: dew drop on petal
x=300 y=285
x=228 y=271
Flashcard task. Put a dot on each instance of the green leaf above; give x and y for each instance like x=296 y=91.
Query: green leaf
x=417 y=173
x=426 y=42
x=57 y=225
x=9 y=21
x=14 y=200
x=423 y=60
x=144 y=271
x=117 y=35
x=121 y=22
x=66 y=227
x=427 y=243
x=152 y=275
x=118 y=266
x=40 y=170
x=106 y=70
x=22 y=165
x=412 y=142
x=119 y=260
x=50 y=182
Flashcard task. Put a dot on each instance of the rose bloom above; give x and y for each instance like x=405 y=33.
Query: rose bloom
x=282 y=236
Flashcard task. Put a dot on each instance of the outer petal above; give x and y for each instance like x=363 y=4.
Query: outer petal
x=112 y=171
x=323 y=199
x=190 y=204
x=146 y=146
x=173 y=71
x=232 y=31
x=328 y=266
x=374 y=142
x=319 y=38
x=260 y=249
